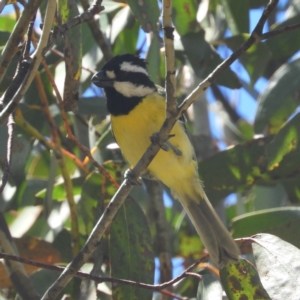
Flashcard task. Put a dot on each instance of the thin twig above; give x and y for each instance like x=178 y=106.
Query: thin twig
x=10 y=133
x=15 y=270
x=94 y=9
x=254 y=38
x=276 y=32
x=44 y=45
x=21 y=72
x=36 y=58
x=97 y=34
x=17 y=35
x=62 y=165
x=85 y=150
x=98 y=279
x=24 y=125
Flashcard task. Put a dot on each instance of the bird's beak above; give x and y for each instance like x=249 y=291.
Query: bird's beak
x=100 y=79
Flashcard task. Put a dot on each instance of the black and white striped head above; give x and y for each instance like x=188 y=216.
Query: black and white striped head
x=127 y=74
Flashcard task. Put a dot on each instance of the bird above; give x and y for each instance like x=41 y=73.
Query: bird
x=137 y=108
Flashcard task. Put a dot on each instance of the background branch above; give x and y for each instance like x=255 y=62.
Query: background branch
x=154 y=287
x=17 y=35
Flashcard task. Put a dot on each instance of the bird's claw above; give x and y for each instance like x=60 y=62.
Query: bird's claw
x=131 y=178
x=166 y=146
x=175 y=150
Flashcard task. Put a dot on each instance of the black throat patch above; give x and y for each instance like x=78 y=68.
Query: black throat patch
x=118 y=104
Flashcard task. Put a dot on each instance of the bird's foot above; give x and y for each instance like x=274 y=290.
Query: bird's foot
x=166 y=146
x=131 y=178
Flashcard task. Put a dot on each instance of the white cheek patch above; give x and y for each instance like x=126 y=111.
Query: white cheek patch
x=128 y=89
x=111 y=74
x=128 y=67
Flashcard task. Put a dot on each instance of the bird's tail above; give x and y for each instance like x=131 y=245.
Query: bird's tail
x=214 y=235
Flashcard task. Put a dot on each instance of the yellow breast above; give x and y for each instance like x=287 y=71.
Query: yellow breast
x=133 y=132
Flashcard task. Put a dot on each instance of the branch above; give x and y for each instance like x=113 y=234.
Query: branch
x=62 y=165
x=146 y=159
x=9 y=146
x=279 y=31
x=15 y=271
x=95 y=8
x=154 y=287
x=24 y=125
x=98 y=35
x=36 y=58
x=21 y=72
x=16 y=36
x=254 y=38
x=85 y=150
x=44 y=45
x=170 y=58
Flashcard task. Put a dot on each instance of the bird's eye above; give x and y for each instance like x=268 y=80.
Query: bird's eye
x=122 y=75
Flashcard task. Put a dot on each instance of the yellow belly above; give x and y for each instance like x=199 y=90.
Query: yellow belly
x=133 y=132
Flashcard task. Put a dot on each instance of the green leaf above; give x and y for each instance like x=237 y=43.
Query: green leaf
x=246 y=129
x=124 y=32
x=189 y=245
x=4 y=36
x=28 y=190
x=153 y=56
x=204 y=59
x=147 y=14
x=241 y=281
x=257 y=3
x=277 y=263
x=233 y=170
x=39 y=166
x=237 y=15
x=59 y=191
x=93 y=106
x=184 y=16
x=131 y=252
x=20 y=154
x=7 y=24
x=256 y=57
x=279 y=99
x=292 y=188
x=41 y=279
x=284 y=142
x=289 y=45
x=283 y=222
x=90 y=197
x=273 y=196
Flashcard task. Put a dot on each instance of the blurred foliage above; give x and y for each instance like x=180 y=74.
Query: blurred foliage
x=260 y=172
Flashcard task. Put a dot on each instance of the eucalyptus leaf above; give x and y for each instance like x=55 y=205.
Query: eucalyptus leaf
x=283 y=222
x=280 y=98
x=241 y=281
x=131 y=248
x=278 y=265
x=204 y=59
x=237 y=15
x=147 y=14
